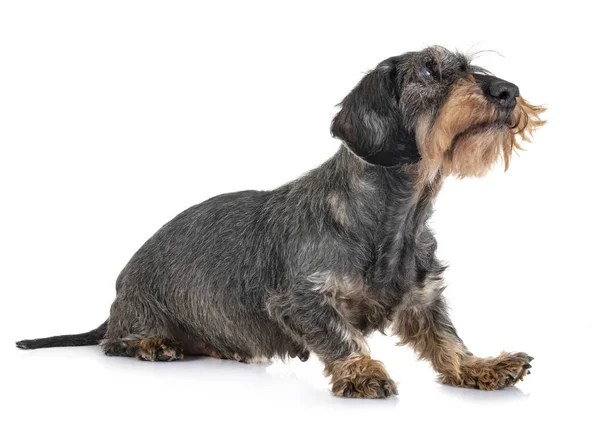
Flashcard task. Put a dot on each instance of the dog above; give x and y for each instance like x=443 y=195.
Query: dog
x=318 y=264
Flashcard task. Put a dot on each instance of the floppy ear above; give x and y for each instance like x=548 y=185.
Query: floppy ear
x=371 y=124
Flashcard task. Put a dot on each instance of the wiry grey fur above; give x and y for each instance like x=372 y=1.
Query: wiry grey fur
x=237 y=272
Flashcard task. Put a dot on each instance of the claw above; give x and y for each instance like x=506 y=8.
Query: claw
x=381 y=393
x=528 y=372
x=527 y=366
x=529 y=358
x=347 y=392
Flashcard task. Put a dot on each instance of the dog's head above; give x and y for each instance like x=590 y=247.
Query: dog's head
x=435 y=108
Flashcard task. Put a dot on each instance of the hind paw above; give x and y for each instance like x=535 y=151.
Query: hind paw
x=159 y=349
x=150 y=349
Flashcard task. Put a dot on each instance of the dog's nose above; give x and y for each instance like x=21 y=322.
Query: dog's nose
x=503 y=93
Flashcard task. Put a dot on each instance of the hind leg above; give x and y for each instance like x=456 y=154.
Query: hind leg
x=151 y=349
x=139 y=327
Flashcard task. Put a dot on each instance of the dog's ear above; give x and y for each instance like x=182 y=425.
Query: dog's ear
x=370 y=121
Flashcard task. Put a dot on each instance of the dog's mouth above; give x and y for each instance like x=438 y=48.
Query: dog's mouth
x=486 y=128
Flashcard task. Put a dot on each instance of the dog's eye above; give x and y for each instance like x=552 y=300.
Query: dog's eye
x=427 y=69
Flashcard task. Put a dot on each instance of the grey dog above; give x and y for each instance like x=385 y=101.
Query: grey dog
x=317 y=264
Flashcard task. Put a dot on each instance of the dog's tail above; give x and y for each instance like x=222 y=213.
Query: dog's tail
x=90 y=338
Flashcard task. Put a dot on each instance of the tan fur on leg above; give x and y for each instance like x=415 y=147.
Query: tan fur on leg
x=429 y=331
x=419 y=329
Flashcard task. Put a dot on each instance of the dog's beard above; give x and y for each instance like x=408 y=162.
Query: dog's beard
x=472 y=154
x=470 y=134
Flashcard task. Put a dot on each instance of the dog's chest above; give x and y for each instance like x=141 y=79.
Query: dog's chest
x=362 y=307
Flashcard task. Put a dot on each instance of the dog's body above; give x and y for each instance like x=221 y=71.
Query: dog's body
x=247 y=262
x=319 y=263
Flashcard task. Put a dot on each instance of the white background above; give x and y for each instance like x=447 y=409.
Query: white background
x=116 y=115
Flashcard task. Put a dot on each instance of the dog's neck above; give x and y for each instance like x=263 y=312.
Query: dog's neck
x=385 y=207
x=414 y=185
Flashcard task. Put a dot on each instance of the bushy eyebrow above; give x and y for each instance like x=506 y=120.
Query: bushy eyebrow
x=479 y=70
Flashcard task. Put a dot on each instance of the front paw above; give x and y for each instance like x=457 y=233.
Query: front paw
x=491 y=373
x=360 y=377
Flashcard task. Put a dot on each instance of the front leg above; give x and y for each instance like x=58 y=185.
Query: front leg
x=309 y=316
x=425 y=325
